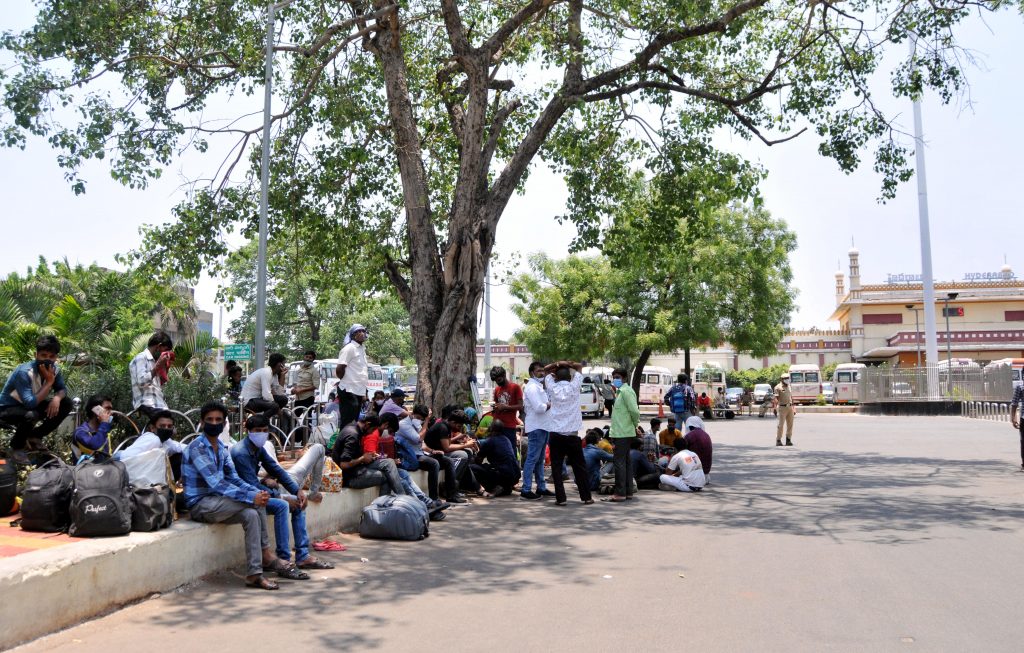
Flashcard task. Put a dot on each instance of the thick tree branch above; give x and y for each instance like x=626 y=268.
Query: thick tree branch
x=330 y=32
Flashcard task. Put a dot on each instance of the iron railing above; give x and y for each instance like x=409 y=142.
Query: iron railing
x=885 y=384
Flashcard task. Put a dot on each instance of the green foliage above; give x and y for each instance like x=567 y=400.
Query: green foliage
x=749 y=378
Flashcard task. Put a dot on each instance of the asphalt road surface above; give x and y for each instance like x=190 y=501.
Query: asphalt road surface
x=872 y=534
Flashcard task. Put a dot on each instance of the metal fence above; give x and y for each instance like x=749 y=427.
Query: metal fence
x=885 y=384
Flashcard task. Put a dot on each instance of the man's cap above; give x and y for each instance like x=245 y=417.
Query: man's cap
x=785 y=375
x=398 y=392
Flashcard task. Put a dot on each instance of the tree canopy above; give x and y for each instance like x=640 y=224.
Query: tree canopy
x=405 y=128
x=727 y=279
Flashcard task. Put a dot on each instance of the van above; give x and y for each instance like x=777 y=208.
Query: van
x=654 y=383
x=846 y=383
x=805 y=383
x=708 y=378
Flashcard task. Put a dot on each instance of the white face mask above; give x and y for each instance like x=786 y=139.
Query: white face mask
x=259 y=438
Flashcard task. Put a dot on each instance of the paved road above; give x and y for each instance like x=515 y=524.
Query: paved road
x=874 y=533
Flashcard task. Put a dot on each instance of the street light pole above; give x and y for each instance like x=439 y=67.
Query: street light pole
x=917 y=331
x=949 y=346
x=261 y=251
x=927 y=280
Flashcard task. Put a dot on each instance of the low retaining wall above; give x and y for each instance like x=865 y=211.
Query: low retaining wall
x=932 y=408
x=47 y=590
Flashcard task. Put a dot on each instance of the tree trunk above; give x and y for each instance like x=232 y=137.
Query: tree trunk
x=638 y=370
x=686 y=362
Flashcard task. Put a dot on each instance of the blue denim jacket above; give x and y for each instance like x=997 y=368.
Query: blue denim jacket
x=248 y=458
x=594 y=456
x=18 y=389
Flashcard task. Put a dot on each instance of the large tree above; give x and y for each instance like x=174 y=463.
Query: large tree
x=407 y=126
x=727 y=281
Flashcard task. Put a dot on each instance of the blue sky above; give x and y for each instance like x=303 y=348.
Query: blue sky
x=974 y=177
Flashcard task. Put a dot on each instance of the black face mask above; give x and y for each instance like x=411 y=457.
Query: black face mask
x=213 y=430
x=164 y=434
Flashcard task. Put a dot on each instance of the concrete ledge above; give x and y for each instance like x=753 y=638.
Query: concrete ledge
x=941 y=407
x=47 y=590
x=828 y=409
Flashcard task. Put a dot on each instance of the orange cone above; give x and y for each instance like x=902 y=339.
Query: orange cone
x=661 y=409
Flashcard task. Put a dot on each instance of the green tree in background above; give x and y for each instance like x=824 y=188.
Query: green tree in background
x=405 y=128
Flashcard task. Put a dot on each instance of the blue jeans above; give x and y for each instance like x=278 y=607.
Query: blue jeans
x=283 y=517
x=411 y=488
x=534 y=465
x=681 y=420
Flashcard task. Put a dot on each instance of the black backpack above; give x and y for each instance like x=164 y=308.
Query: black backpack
x=8 y=487
x=102 y=500
x=152 y=508
x=47 y=496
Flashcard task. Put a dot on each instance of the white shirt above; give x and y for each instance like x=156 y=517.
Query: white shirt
x=565 y=415
x=258 y=385
x=146 y=388
x=149 y=441
x=535 y=400
x=353 y=357
x=689 y=466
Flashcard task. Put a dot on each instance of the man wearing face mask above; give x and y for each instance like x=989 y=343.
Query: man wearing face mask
x=537 y=424
x=215 y=494
x=249 y=455
x=625 y=418
x=34 y=401
x=160 y=435
x=353 y=373
x=508 y=401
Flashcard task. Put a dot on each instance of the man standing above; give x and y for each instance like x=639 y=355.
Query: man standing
x=536 y=407
x=148 y=372
x=625 y=418
x=258 y=391
x=681 y=400
x=565 y=422
x=307 y=380
x=214 y=494
x=353 y=373
x=608 y=395
x=508 y=401
x=784 y=405
x=26 y=403
x=1016 y=415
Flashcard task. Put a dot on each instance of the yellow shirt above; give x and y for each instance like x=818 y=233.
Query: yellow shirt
x=666 y=437
x=604 y=445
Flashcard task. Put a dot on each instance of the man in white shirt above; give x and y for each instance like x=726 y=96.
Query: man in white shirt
x=536 y=424
x=159 y=436
x=685 y=472
x=258 y=392
x=353 y=373
x=563 y=382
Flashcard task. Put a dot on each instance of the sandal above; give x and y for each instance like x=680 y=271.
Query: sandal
x=329 y=545
x=291 y=572
x=262 y=583
x=614 y=499
x=314 y=563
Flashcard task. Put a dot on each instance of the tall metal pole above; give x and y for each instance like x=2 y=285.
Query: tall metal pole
x=949 y=345
x=917 y=334
x=220 y=341
x=927 y=279
x=487 y=328
x=261 y=252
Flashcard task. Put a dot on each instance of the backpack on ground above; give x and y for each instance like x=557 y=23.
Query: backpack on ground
x=152 y=508
x=102 y=500
x=395 y=517
x=47 y=497
x=8 y=488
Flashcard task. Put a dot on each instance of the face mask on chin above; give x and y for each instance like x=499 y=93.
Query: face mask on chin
x=307 y=363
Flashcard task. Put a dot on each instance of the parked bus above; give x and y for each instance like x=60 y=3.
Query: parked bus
x=329 y=379
x=709 y=378
x=597 y=374
x=845 y=382
x=805 y=383
x=654 y=383
x=1016 y=367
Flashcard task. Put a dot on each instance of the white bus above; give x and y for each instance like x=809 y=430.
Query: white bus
x=597 y=374
x=709 y=378
x=845 y=382
x=654 y=383
x=805 y=383
x=329 y=379
x=1016 y=368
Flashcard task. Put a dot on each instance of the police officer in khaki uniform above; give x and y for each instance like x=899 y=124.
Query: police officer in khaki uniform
x=784 y=406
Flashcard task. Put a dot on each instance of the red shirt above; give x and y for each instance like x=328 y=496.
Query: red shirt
x=371 y=442
x=510 y=394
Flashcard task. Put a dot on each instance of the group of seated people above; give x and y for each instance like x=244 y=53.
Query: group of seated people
x=661 y=459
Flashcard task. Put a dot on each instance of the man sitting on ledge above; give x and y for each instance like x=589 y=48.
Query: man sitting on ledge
x=360 y=464
x=214 y=494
